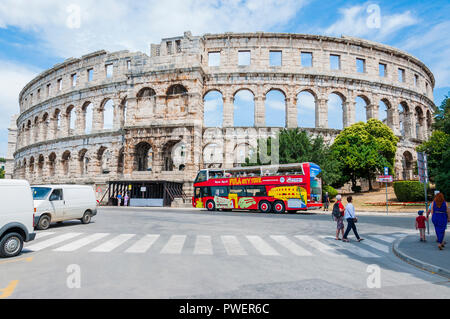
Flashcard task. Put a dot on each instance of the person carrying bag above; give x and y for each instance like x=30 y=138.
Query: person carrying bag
x=351 y=220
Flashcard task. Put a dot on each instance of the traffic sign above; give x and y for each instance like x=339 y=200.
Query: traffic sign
x=385 y=179
x=386 y=171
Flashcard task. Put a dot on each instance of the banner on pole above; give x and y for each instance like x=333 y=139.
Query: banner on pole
x=422 y=167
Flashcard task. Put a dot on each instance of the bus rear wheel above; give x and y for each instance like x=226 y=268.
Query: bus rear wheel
x=279 y=207
x=210 y=205
x=264 y=206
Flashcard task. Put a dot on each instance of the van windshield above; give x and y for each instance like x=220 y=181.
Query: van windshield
x=40 y=193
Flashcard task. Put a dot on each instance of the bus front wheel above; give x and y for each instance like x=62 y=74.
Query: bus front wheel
x=265 y=207
x=279 y=207
x=210 y=205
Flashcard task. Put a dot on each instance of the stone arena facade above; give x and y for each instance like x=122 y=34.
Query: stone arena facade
x=134 y=117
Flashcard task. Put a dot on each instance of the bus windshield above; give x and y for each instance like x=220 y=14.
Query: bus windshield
x=40 y=193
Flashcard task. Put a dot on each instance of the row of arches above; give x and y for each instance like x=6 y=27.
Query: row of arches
x=335 y=111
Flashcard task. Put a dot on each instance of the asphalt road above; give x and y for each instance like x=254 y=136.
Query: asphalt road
x=187 y=253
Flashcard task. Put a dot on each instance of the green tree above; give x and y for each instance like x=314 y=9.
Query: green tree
x=437 y=149
x=296 y=146
x=364 y=149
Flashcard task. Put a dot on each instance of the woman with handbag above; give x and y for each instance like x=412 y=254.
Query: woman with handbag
x=349 y=215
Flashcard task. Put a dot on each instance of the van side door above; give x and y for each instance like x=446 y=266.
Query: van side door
x=57 y=203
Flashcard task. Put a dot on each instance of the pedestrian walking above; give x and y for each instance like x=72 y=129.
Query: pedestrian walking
x=420 y=225
x=119 y=199
x=338 y=216
x=125 y=199
x=326 y=201
x=440 y=216
x=351 y=218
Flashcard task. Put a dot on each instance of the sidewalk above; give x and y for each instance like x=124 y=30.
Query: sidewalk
x=424 y=255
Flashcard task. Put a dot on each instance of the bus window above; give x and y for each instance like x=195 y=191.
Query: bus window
x=239 y=190
x=316 y=189
x=197 y=193
x=256 y=191
x=219 y=191
x=201 y=177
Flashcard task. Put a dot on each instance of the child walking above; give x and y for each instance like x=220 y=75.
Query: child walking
x=420 y=225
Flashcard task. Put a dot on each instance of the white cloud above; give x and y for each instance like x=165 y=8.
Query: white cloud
x=13 y=78
x=126 y=24
x=276 y=105
x=358 y=21
x=432 y=47
x=306 y=100
x=244 y=95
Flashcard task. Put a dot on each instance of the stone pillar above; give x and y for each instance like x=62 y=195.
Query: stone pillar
x=260 y=111
x=394 y=120
x=118 y=114
x=372 y=111
x=348 y=114
x=322 y=113
x=228 y=111
x=132 y=110
x=291 y=111
x=97 y=118
x=64 y=124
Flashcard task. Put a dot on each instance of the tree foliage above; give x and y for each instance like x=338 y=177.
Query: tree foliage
x=296 y=146
x=364 y=149
x=437 y=149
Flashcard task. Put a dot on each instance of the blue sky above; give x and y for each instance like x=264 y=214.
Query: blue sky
x=35 y=35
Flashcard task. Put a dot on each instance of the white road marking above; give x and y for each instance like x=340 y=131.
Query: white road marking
x=290 y=245
x=82 y=242
x=142 y=245
x=328 y=250
x=43 y=234
x=376 y=245
x=384 y=238
x=203 y=245
x=112 y=244
x=352 y=247
x=52 y=241
x=174 y=245
x=232 y=246
x=262 y=246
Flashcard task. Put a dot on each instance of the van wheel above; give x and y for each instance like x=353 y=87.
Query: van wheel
x=278 y=207
x=86 y=218
x=264 y=206
x=44 y=222
x=11 y=245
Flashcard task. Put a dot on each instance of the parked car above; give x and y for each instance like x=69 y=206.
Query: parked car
x=16 y=216
x=57 y=203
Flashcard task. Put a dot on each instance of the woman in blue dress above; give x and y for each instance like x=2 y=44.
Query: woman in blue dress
x=440 y=216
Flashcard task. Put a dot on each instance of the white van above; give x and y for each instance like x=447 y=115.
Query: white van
x=57 y=203
x=16 y=216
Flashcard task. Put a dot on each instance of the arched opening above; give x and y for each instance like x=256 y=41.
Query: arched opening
x=31 y=169
x=419 y=122
x=407 y=166
x=335 y=111
x=120 y=161
x=241 y=152
x=167 y=156
x=104 y=159
x=429 y=123
x=176 y=89
x=244 y=108
x=275 y=105
x=36 y=129
x=88 y=112
x=65 y=161
x=143 y=157
x=213 y=155
x=403 y=115
x=57 y=119
x=83 y=161
x=40 y=166
x=306 y=109
x=71 y=119
x=146 y=101
x=45 y=126
x=108 y=114
x=361 y=104
x=52 y=164
x=123 y=108
x=383 y=112
x=145 y=93
x=213 y=109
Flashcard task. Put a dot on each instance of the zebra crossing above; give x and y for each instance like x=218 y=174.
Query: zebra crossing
x=374 y=246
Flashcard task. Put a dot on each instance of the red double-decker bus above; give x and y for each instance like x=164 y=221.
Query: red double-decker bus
x=267 y=188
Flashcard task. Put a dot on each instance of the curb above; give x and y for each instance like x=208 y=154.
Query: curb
x=418 y=263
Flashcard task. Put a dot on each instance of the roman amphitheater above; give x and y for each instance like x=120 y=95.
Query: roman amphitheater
x=131 y=121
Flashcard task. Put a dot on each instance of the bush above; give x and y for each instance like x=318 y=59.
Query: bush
x=331 y=191
x=410 y=191
x=356 y=189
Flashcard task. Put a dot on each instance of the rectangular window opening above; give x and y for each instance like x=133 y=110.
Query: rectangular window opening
x=401 y=75
x=244 y=57
x=275 y=58
x=109 y=70
x=335 y=62
x=90 y=75
x=306 y=59
x=360 y=65
x=74 y=79
x=213 y=58
x=382 y=69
